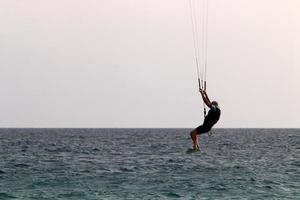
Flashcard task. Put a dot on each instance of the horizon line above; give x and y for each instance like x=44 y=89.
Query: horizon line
x=143 y=128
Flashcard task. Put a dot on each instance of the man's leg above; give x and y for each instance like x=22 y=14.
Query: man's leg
x=194 y=137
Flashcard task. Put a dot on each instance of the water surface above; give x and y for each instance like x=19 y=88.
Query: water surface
x=149 y=164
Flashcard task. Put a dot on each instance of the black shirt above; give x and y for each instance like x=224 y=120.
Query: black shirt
x=213 y=116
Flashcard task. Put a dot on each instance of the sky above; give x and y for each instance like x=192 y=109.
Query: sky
x=129 y=63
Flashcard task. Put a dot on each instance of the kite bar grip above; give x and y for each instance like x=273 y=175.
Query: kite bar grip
x=199 y=82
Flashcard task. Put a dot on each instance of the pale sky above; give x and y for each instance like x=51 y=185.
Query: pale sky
x=129 y=63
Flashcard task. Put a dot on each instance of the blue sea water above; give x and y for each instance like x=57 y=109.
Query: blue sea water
x=149 y=164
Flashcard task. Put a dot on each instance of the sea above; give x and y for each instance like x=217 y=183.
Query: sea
x=149 y=164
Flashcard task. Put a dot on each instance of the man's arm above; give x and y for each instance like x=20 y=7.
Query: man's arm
x=205 y=98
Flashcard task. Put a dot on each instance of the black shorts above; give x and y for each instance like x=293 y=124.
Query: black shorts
x=203 y=129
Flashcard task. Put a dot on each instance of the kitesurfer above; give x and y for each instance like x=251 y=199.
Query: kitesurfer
x=209 y=121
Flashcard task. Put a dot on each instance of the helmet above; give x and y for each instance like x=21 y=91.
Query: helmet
x=214 y=103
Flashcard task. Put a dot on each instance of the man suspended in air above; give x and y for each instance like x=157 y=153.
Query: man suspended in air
x=209 y=121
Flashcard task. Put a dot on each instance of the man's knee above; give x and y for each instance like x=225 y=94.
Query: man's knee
x=193 y=133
